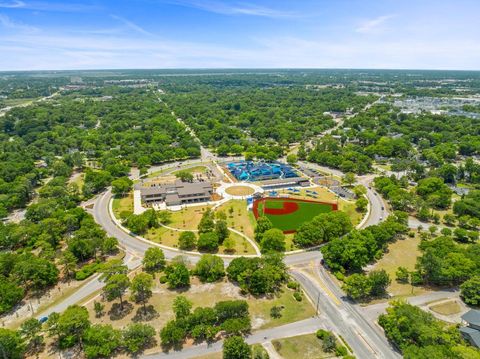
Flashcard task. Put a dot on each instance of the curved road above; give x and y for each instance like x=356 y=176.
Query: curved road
x=365 y=341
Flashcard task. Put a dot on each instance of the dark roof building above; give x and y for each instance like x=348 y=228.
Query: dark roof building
x=471 y=332
x=177 y=193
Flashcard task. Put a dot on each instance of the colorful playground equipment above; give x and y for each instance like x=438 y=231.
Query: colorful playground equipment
x=260 y=171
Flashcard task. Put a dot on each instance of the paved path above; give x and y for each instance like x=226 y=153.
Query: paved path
x=289 y=330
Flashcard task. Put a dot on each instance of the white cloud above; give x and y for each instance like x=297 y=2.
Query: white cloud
x=131 y=25
x=373 y=25
x=48 y=6
x=8 y=23
x=234 y=8
x=12 y=4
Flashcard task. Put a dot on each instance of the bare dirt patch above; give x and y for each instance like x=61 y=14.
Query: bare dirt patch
x=239 y=191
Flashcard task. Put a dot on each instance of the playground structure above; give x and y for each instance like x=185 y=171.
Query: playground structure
x=251 y=171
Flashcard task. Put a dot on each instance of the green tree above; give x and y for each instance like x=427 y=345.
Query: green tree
x=177 y=275
x=181 y=307
x=137 y=337
x=101 y=341
x=236 y=348
x=273 y=240
x=71 y=325
x=357 y=286
x=470 y=291
x=115 y=266
x=361 y=204
x=379 y=280
x=209 y=268
x=10 y=295
x=98 y=307
x=207 y=223
x=153 y=260
x=172 y=334
x=221 y=229
x=263 y=225
x=402 y=274
x=292 y=159
x=208 y=242
x=141 y=289
x=349 y=178
x=11 y=344
x=116 y=286
x=187 y=240
x=69 y=263
x=121 y=186
x=30 y=332
x=185 y=176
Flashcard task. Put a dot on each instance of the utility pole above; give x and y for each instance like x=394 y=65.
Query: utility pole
x=318 y=303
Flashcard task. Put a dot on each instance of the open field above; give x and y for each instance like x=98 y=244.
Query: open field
x=402 y=253
x=446 y=308
x=169 y=238
x=238 y=216
x=192 y=170
x=205 y=295
x=187 y=218
x=306 y=346
x=122 y=204
x=325 y=195
x=288 y=214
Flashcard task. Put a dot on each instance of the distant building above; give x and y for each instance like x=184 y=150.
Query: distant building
x=460 y=190
x=177 y=193
x=471 y=330
x=285 y=182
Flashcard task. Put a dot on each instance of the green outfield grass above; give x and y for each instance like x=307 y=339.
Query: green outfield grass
x=291 y=221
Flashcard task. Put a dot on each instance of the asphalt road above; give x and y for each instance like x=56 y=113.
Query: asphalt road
x=297 y=328
x=343 y=318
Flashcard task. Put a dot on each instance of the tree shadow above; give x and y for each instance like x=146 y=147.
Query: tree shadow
x=116 y=312
x=145 y=315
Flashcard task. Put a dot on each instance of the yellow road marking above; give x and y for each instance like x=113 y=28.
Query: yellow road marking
x=323 y=286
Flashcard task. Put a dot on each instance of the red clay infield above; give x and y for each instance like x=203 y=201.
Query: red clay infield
x=288 y=207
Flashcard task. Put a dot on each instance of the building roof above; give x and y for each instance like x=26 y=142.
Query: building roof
x=283 y=181
x=152 y=190
x=172 y=197
x=472 y=333
x=472 y=317
x=180 y=188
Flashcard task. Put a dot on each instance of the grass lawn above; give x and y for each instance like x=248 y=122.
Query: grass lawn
x=241 y=218
x=402 y=253
x=187 y=218
x=121 y=204
x=196 y=169
x=169 y=238
x=306 y=346
x=292 y=310
x=325 y=195
x=291 y=221
x=446 y=308
x=204 y=295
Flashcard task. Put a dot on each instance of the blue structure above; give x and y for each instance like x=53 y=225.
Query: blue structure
x=259 y=171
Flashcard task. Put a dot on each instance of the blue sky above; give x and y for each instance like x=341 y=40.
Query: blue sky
x=96 y=34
